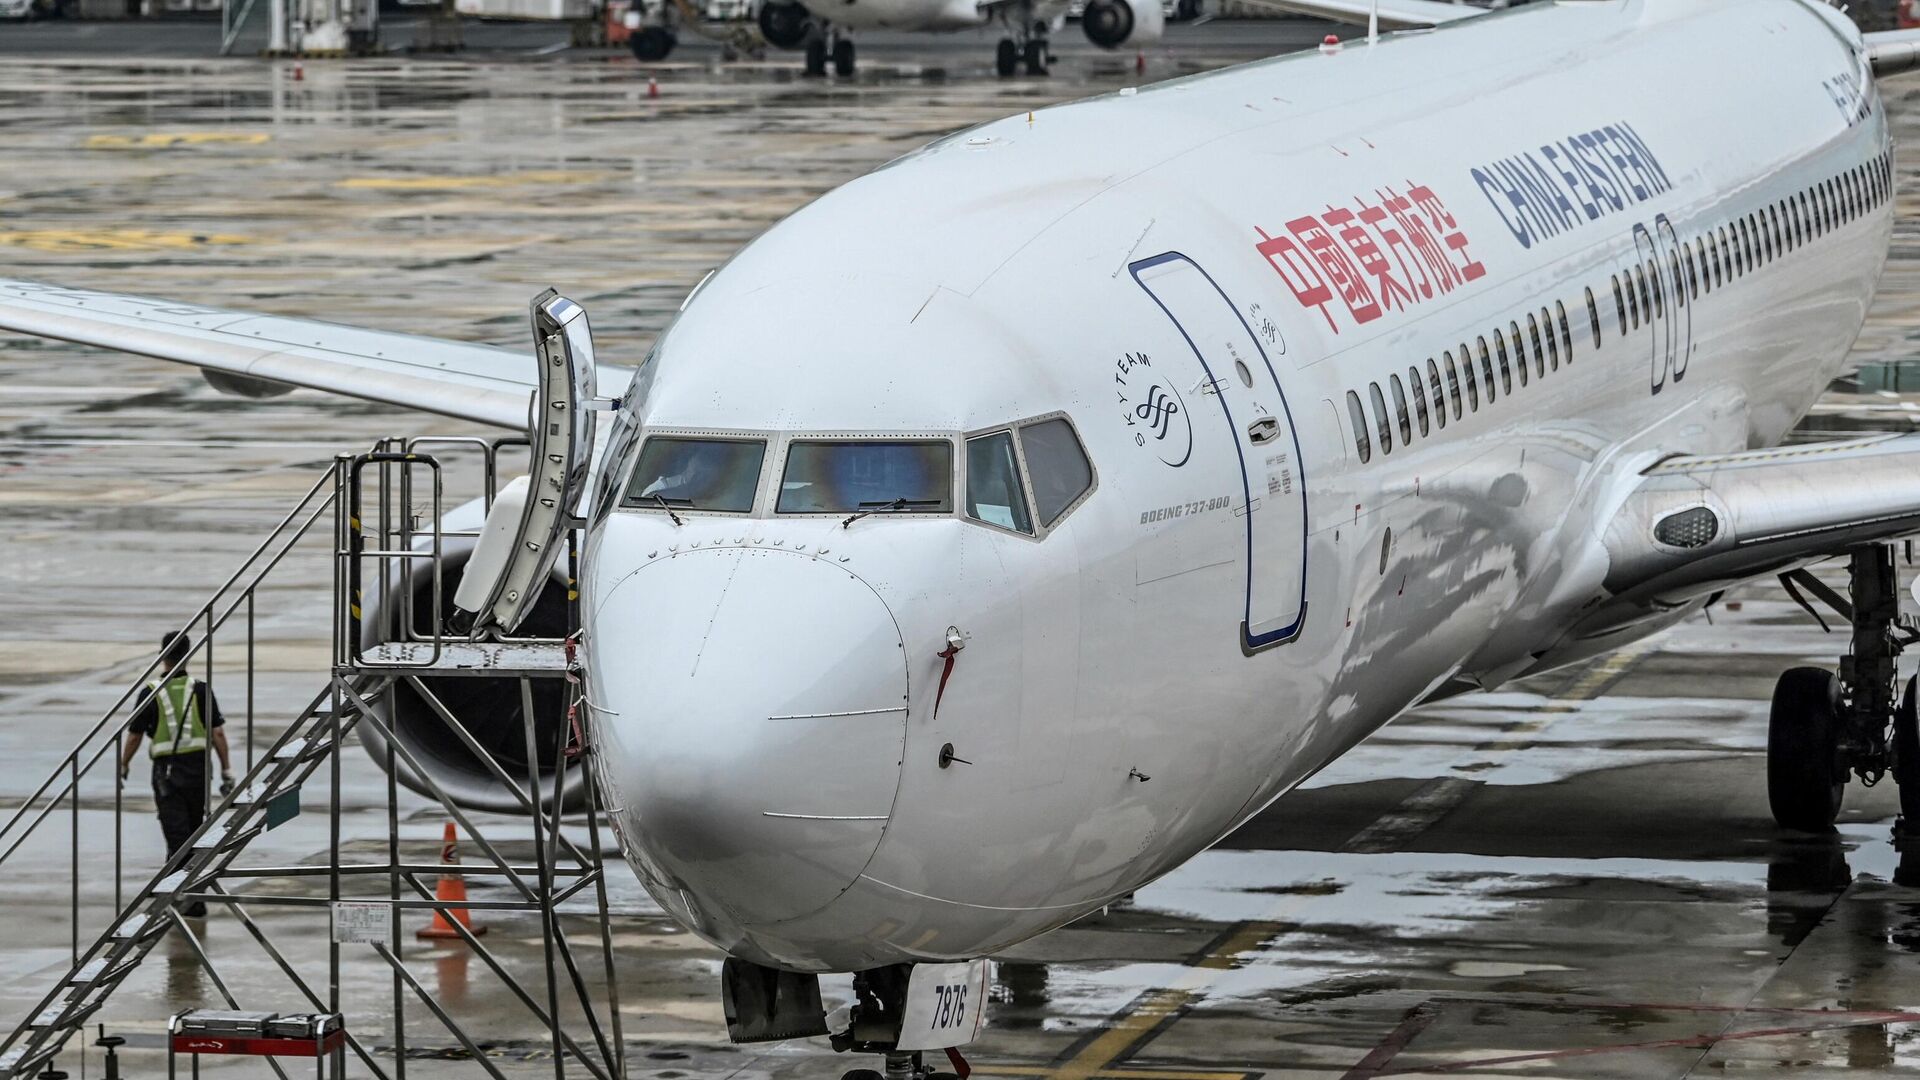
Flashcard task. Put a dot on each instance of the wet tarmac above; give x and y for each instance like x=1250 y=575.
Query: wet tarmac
x=1573 y=877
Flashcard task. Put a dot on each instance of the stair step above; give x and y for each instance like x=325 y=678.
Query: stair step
x=291 y=750
x=88 y=971
x=131 y=926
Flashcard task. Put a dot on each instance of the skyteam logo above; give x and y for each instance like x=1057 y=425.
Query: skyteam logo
x=1166 y=422
x=1157 y=416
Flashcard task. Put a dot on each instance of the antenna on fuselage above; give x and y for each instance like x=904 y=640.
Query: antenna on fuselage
x=1373 y=24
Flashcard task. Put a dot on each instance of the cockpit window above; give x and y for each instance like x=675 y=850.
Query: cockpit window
x=994 y=494
x=1057 y=466
x=680 y=473
x=908 y=476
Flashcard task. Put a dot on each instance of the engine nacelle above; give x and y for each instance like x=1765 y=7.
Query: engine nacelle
x=489 y=708
x=784 y=24
x=1112 y=24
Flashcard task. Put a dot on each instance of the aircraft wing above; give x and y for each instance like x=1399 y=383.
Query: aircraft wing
x=481 y=383
x=1394 y=14
x=1697 y=524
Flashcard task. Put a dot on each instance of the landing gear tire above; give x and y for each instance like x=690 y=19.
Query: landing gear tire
x=843 y=57
x=1007 y=59
x=862 y=1074
x=816 y=56
x=1906 y=762
x=1803 y=735
x=651 y=43
x=1036 y=57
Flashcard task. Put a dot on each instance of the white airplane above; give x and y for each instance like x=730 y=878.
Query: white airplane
x=1012 y=523
x=822 y=27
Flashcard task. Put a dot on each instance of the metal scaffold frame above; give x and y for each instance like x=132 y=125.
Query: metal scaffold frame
x=381 y=538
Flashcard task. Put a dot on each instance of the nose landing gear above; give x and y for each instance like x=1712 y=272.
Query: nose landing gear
x=1824 y=727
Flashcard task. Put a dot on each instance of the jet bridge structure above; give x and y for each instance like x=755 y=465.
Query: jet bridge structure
x=371 y=517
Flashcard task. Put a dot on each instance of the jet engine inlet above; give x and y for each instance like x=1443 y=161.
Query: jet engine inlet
x=490 y=709
x=785 y=25
x=1108 y=23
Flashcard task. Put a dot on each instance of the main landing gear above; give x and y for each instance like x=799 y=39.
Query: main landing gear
x=1825 y=727
x=826 y=44
x=1026 y=43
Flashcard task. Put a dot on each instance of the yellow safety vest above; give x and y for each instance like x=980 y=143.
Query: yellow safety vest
x=178 y=728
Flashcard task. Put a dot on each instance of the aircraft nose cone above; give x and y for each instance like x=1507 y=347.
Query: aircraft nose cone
x=757 y=713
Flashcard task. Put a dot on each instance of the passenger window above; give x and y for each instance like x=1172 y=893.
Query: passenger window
x=1593 y=316
x=1440 y=394
x=1056 y=465
x=1633 y=300
x=1358 y=417
x=1382 y=423
x=1486 y=369
x=994 y=493
x=1453 y=382
x=680 y=473
x=1473 y=389
x=1500 y=350
x=906 y=476
x=1659 y=289
x=1539 y=357
x=1419 y=399
x=1693 y=273
x=1619 y=305
x=1679 y=280
x=1519 y=350
x=1566 y=332
x=1400 y=409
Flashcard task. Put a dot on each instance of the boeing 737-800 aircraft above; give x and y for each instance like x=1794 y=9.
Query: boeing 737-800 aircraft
x=1150 y=452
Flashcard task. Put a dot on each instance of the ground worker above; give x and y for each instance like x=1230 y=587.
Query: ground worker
x=179 y=715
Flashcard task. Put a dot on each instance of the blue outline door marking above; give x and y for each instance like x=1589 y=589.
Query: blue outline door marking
x=1279 y=636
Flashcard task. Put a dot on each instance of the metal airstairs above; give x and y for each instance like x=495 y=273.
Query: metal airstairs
x=366 y=516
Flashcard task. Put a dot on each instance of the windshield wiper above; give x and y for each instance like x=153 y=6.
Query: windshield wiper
x=868 y=509
x=667 y=505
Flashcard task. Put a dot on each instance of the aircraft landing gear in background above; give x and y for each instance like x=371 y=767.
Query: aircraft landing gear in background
x=842 y=55
x=1026 y=42
x=1007 y=58
x=652 y=43
x=817 y=55
x=1824 y=727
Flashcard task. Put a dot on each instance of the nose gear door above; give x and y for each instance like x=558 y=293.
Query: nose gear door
x=560 y=429
x=1242 y=381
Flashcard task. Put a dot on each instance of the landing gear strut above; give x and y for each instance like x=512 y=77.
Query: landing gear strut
x=880 y=998
x=1825 y=727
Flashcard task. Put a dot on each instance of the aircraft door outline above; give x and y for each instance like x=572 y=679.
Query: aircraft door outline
x=1265 y=437
x=1680 y=336
x=1656 y=306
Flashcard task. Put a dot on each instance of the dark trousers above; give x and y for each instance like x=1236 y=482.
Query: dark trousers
x=180 y=792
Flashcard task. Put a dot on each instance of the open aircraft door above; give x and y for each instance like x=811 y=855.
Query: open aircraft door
x=1234 y=370
x=529 y=522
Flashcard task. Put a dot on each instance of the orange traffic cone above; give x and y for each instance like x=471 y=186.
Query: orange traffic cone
x=451 y=890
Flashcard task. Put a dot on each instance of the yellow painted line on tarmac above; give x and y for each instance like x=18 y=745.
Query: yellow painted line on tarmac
x=78 y=241
x=1110 y=1074
x=1155 y=1007
x=169 y=140
x=459 y=183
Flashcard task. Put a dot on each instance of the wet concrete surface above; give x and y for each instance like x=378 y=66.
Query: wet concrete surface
x=1573 y=877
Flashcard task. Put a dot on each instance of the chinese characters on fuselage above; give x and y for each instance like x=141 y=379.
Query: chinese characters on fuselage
x=1385 y=253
